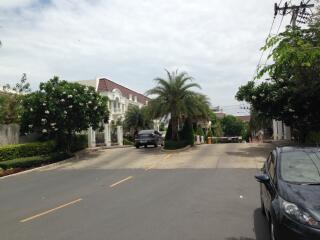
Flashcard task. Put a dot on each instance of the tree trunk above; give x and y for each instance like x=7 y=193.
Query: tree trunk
x=174 y=121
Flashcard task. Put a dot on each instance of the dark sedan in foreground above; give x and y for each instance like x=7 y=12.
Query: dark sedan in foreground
x=148 y=137
x=290 y=193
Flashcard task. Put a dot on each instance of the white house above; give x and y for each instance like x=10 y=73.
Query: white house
x=119 y=96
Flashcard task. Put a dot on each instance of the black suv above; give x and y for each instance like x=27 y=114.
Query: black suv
x=290 y=193
x=148 y=137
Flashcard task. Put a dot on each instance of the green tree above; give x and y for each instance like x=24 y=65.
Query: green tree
x=60 y=109
x=231 y=126
x=137 y=118
x=175 y=99
x=10 y=101
x=291 y=93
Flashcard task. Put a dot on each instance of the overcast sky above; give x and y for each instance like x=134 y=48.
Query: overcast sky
x=132 y=41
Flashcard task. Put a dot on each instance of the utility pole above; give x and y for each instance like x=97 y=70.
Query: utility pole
x=300 y=13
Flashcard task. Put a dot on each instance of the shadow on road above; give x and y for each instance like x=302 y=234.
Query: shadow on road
x=262 y=151
x=260 y=228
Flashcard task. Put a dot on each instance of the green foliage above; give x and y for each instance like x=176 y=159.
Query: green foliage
x=291 y=93
x=169 y=131
x=313 y=137
x=173 y=145
x=200 y=131
x=231 y=126
x=137 y=118
x=187 y=134
x=210 y=134
x=61 y=108
x=175 y=98
x=10 y=108
x=35 y=161
x=127 y=142
x=9 y=152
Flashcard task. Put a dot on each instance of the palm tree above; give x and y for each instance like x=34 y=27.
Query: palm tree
x=136 y=118
x=174 y=99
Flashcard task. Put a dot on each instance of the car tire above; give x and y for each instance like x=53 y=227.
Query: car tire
x=145 y=146
x=273 y=232
x=155 y=145
x=137 y=146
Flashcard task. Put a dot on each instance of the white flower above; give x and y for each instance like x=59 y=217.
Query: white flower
x=44 y=130
x=91 y=93
x=70 y=106
x=44 y=104
x=254 y=97
x=291 y=110
x=89 y=102
x=62 y=100
x=95 y=108
x=86 y=88
x=43 y=91
x=56 y=129
x=46 y=112
x=43 y=120
x=261 y=95
x=69 y=96
x=30 y=125
x=65 y=112
x=64 y=93
x=53 y=89
x=31 y=109
x=81 y=104
x=53 y=124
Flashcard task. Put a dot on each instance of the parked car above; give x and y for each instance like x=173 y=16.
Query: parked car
x=148 y=137
x=290 y=193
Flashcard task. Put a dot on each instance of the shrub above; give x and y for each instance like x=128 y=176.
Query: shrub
x=187 y=134
x=127 y=142
x=14 y=151
x=173 y=145
x=200 y=131
x=79 y=142
x=313 y=137
x=34 y=161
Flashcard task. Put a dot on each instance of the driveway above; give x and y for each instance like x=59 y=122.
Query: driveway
x=207 y=192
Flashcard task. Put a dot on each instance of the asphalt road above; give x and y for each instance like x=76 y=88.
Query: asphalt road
x=205 y=193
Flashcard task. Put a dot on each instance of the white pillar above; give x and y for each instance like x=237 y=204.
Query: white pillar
x=275 y=129
x=202 y=139
x=91 y=138
x=198 y=139
x=120 y=135
x=107 y=135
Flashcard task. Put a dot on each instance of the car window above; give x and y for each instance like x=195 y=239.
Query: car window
x=272 y=166
x=300 y=167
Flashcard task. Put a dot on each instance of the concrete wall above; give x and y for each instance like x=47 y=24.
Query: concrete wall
x=9 y=134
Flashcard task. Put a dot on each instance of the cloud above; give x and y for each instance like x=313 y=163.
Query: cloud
x=133 y=41
x=6 y=4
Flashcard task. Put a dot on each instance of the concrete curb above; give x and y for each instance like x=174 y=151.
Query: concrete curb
x=177 y=150
x=76 y=156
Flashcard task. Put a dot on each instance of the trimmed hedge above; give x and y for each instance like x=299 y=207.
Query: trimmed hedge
x=173 y=145
x=35 y=161
x=14 y=151
x=79 y=142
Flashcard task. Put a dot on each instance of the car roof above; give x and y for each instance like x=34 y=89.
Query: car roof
x=146 y=131
x=284 y=149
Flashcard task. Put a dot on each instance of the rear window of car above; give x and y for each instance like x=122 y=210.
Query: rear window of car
x=300 y=167
x=146 y=132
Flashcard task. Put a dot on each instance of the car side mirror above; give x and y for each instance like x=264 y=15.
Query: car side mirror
x=262 y=178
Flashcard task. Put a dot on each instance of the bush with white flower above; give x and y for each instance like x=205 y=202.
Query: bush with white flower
x=59 y=110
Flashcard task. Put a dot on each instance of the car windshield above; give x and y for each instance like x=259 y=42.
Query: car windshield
x=300 y=167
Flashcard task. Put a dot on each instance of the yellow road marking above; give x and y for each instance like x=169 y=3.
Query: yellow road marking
x=49 y=211
x=121 y=181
